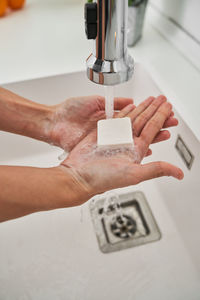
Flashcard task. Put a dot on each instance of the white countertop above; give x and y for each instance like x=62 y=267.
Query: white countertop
x=47 y=39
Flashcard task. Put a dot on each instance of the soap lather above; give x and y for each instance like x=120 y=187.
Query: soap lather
x=115 y=133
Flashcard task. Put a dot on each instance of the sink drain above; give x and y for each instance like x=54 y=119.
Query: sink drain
x=126 y=223
x=123 y=226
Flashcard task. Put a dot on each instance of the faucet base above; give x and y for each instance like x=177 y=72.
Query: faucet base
x=107 y=72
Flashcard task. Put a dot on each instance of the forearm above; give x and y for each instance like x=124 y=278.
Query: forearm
x=21 y=116
x=25 y=190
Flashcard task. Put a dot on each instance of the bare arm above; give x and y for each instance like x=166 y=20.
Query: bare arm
x=63 y=125
x=21 y=116
x=25 y=190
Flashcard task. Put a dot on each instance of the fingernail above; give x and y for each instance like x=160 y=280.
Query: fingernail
x=162 y=97
x=167 y=134
x=176 y=121
x=150 y=99
x=169 y=104
x=180 y=175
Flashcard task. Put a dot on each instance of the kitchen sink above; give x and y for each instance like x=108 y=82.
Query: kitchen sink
x=55 y=254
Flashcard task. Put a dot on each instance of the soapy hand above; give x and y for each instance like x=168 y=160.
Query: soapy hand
x=72 y=120
x=100 y=171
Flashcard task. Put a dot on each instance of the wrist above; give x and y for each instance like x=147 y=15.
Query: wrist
x=24 y=117
x=49 y=125
x=42 y=122
x=75 y=190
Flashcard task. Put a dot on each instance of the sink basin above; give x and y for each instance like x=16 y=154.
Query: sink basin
x=55 y=255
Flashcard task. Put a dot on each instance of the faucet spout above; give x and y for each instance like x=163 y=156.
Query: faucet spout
x=106 y=23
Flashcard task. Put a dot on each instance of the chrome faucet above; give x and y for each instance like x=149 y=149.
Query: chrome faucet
x=136 y=14
x=106 y=23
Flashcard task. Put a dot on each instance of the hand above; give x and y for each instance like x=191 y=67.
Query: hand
x=100 y=171
x=141 y=114
x=72 y=120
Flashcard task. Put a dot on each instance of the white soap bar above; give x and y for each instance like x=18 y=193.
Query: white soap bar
x=114 y=132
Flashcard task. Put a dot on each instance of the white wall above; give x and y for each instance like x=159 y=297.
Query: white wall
x=184 y=12
x=179 y=22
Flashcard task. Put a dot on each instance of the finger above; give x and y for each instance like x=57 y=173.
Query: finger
x=99 y=99
x=170 y=122
x=146 y=115
x=156 y=123
x=140 y=108
x=125 y=111
x=149 y=152
x=159 y=169
x=161 y=136
x=172 y=114
x=120 y=103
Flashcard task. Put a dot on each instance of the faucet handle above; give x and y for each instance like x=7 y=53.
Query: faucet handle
x=91 y=20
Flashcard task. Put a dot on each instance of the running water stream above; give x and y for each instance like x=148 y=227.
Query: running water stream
x=109 y=101
x=112 y=199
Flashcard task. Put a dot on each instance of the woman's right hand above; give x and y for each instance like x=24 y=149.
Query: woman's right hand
x=102 y=171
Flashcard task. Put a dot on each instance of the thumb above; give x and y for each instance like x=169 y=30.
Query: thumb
x=159 y=169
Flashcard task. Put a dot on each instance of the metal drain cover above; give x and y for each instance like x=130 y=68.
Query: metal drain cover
x=123 y=226
x=133 y=227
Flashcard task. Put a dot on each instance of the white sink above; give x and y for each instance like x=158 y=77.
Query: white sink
x=55 y=255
